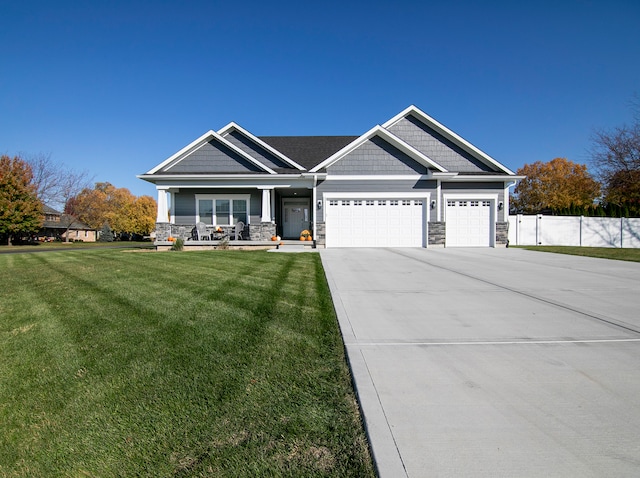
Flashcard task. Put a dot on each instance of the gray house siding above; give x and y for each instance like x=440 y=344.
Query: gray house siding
x=471 y=187
x=375 y=186
x=185 y=204
x=437 y=147
x=212 y=158
x=376 y=156
x=261 y=154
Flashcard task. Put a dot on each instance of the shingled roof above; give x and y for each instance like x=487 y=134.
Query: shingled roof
x=64 y=221
x=308 y=151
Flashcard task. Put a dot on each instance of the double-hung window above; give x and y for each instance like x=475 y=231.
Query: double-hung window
x=222 y=210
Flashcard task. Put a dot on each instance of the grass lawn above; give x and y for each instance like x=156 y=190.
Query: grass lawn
x=217 y=363
x=58 y=246
x=602 y=252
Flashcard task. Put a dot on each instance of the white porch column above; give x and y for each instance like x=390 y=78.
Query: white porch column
x=163 y=209
x=438 y=200
x=266 y=205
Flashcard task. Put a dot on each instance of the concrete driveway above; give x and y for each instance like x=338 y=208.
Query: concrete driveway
x=492 y=362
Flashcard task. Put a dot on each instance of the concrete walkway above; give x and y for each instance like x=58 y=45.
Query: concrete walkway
x=492 y=362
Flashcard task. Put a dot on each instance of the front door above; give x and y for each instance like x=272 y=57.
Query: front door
x=296 y=217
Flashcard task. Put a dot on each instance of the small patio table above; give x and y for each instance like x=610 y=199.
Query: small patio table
x=218 y=235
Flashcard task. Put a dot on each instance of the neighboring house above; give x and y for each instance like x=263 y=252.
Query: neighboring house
x=410 y=182
x=57 y=226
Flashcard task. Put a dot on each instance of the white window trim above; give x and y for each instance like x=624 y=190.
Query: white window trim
x=230 y=197
x=376 y=195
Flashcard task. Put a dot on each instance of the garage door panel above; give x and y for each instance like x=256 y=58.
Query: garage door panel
x=468 y=223
x=374 y=222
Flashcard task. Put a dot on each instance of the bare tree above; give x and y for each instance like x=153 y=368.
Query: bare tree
x=615 y=155
x=56 y=185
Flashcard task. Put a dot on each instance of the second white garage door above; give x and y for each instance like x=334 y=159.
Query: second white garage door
x=468 y=223
x=375 y=222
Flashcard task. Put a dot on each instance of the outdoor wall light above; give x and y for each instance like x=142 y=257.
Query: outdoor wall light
x=319 y=203
x=500 y=206
x=433 y=204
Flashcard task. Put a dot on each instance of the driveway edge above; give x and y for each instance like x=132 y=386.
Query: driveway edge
x=384 y=450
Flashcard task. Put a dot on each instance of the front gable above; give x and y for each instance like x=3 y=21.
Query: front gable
x=441 y=144
x=211 y=154
x=377 y=156
x=258 y=149
x=379 y=152
x=436 y=146
x=212 y=158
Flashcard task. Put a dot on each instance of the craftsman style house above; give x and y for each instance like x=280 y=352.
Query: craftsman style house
x=410 y=182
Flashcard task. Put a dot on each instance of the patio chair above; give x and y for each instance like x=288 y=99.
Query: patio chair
x=201 y=230
x=238 y=231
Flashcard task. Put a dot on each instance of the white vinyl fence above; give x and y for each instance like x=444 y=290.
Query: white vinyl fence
x=574 y=231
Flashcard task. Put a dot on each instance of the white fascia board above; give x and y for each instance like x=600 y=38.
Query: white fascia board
x=220 y=177
x=487 y=178
x=233 y=125
x=387 y=136
x=379 y=177
x=205 y=138
x=228 y=181
x=444 y=176
x=447 y=133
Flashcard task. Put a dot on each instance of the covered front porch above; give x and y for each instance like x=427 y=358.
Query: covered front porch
x=264 y=212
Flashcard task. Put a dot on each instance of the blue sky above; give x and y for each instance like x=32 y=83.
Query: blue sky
x=116 y=87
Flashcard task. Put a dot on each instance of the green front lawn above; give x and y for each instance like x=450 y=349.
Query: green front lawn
x=217 y=363
x=61 y=245
x=602 y=252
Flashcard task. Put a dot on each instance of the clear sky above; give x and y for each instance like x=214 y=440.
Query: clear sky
x=116 y=87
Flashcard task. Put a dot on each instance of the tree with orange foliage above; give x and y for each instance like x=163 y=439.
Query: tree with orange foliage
x=117 y=207
x=557 y=184
x=20 y=209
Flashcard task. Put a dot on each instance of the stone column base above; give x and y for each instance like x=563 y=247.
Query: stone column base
x=260 y=232
x=437 y=234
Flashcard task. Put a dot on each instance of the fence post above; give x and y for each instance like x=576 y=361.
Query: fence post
x=538 y=229
x=621 y=230
x=581 y=219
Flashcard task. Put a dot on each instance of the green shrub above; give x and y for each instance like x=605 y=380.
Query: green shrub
x=178 y=244
x=106 y=234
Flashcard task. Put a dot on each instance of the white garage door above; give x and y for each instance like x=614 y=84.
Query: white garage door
x=468 y=223
x=375 y=222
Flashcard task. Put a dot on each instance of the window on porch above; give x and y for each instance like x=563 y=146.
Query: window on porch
x=221 y=211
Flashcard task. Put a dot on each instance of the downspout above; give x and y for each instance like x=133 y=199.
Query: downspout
x=505 y=211
x=506 y=200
